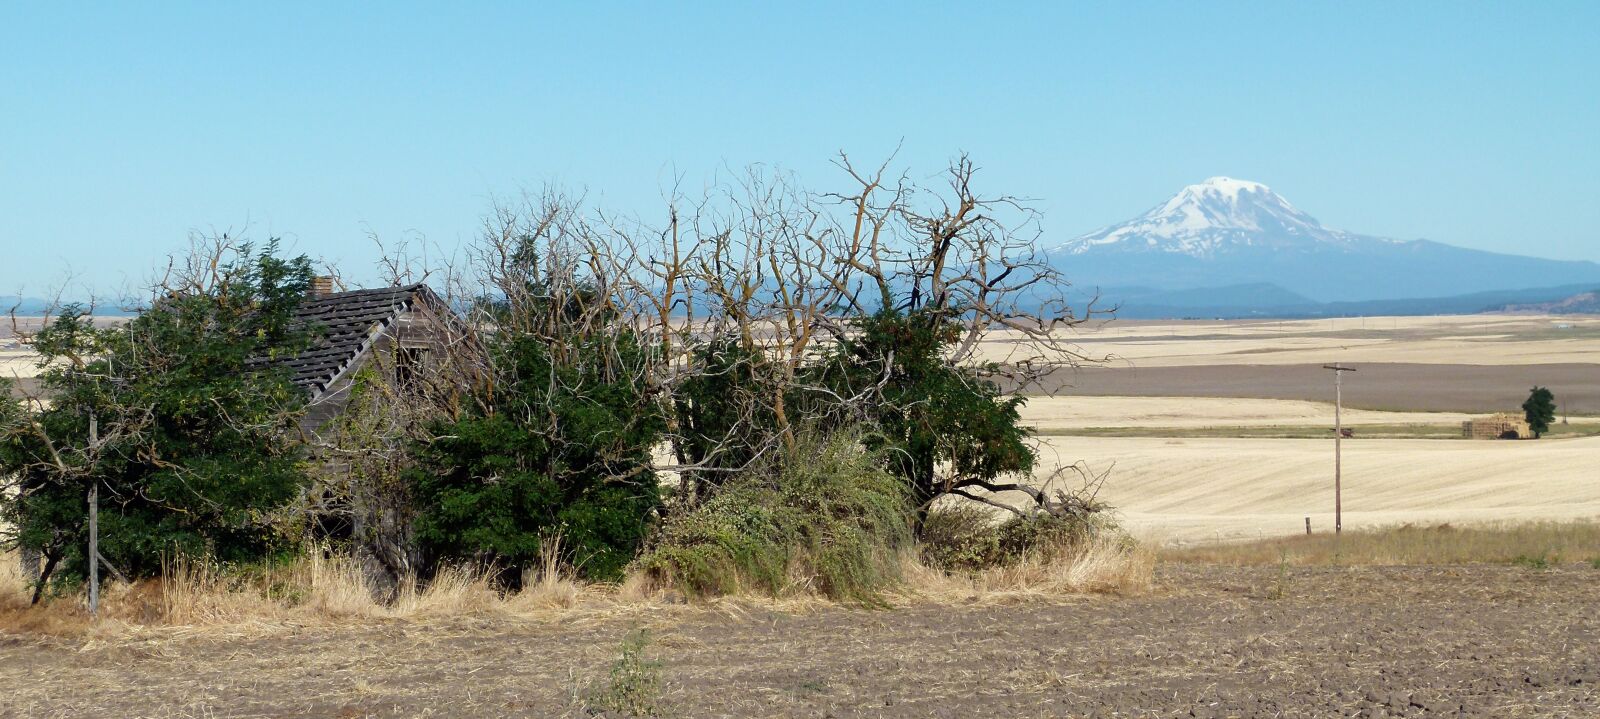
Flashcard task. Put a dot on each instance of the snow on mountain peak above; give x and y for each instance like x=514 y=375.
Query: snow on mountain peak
x=1229 y=186
x=1216 y=214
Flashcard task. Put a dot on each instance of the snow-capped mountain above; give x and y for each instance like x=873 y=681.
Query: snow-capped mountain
x=1213 y=216
x=1225 y=232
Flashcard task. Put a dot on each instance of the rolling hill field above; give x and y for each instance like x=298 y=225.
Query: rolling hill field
x=1229 y=437
x=1196 y=490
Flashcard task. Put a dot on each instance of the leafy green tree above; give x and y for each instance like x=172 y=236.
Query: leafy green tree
x=559 y=449
x=929 y=413
x=174 y=415
x=1539 y=410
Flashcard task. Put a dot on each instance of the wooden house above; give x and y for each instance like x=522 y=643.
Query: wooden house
x=408 y=334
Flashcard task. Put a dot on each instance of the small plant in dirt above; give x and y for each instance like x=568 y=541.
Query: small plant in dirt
x=1595 y=562
x=1280 y=586
x=1531 y=562
x=824 y=516
x=632 y=686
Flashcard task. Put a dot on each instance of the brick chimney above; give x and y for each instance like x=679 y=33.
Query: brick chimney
x=321 y=286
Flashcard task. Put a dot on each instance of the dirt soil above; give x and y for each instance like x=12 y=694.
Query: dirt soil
x=1376 y=386
x=1487 y=641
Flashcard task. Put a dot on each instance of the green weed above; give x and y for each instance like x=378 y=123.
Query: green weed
x=1531 y=562
x=632 y=686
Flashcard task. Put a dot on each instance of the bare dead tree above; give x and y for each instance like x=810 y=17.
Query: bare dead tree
x=783 y=274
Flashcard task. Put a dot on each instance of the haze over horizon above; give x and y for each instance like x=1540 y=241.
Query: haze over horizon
x=124 y=128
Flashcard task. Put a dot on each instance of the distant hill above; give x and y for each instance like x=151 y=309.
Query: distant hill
x=34 y=306
x=1267 y=300
x=1229 y=234
x=23 y=305
x=1582 y=303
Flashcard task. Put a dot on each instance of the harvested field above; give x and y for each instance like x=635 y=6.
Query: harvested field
x=1479 y=641
x=1197 y=490
x=24 y=387
x=1464 y=339
x=17 y=363
x=1458 y=388
x=1081 y=412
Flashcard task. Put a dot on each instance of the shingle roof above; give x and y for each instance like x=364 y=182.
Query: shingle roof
x=344 y=324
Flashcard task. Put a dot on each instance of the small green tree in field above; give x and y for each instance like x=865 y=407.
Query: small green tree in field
x=1539 y=410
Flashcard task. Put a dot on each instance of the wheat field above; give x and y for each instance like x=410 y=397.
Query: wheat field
x=1185 y=491
x=1463 y=339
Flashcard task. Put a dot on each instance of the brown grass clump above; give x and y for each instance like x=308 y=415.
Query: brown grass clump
x=1104 y=564
x=549 y=585
x=453 y=591
x=1533 y=543
x=334 y=586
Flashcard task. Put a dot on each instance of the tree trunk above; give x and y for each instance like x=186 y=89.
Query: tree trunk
x=50 y=560
x=384 y=546
x=923 y=490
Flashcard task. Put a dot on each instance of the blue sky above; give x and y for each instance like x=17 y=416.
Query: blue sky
x=124 y=127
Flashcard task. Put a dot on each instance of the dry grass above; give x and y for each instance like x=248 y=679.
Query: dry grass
x=1107 y=564
x=12 y=588
x=328 y=590
x=1532 y=543
x=548 y=586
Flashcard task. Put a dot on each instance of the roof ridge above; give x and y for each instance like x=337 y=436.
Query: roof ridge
x=344 y=323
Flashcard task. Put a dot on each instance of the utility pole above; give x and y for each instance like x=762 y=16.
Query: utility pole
x=1338 y=435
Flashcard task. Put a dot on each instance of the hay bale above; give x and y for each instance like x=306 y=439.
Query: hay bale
x=1503 y=425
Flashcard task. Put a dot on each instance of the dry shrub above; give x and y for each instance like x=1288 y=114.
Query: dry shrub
x=549 y=584
x=333 y=586
x=825 y=519
x=967 y=552
x=959 y=535
x=1494 y=542
x=639 y=587
x=1106 y=563
x=453 y=590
